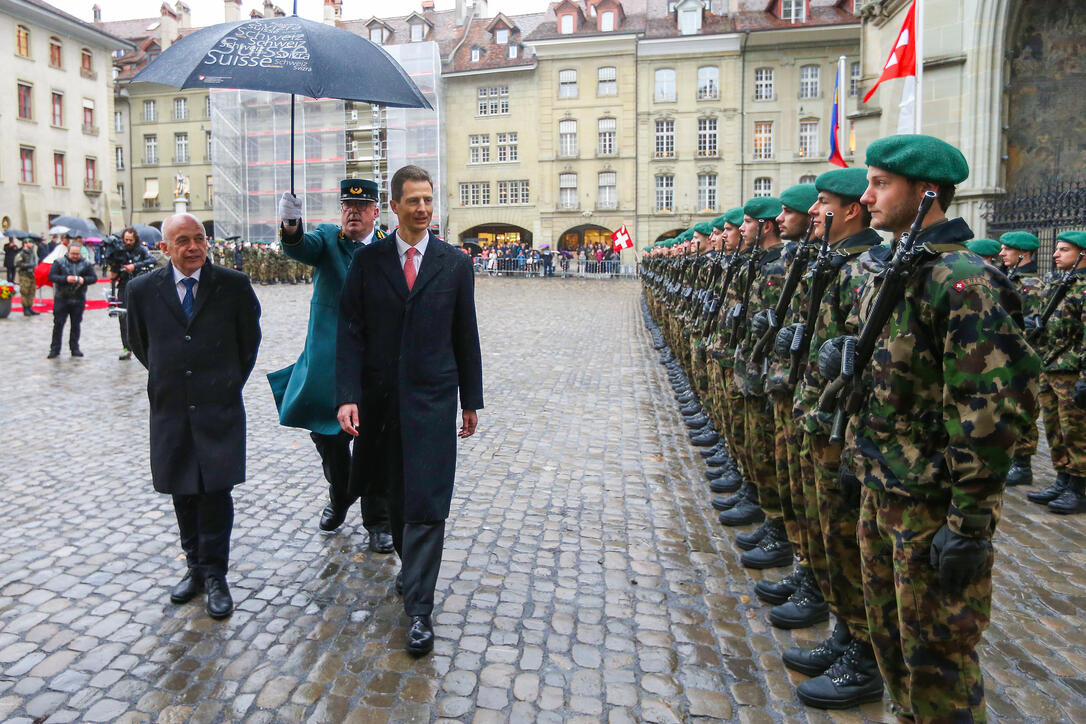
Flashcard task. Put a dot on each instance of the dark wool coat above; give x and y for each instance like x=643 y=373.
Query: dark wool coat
x=196 y=371
x=403 y=357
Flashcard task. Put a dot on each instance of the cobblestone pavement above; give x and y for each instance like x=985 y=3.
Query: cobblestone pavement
x=585 y=577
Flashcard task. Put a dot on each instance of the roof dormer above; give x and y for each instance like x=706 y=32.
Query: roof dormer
x=502 y=29
x=609 y=15
x=420 y=27
x=790 y=11
x=688 y=16
x=378 y=31
x=570 y=17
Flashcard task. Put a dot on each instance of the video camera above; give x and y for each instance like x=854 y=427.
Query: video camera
x=117 y=257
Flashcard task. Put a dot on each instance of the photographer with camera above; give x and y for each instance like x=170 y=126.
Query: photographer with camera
x=126 y=261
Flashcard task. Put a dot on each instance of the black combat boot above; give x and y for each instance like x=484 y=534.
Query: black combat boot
x=773 y=551
x=722 y=503
x=712 y=451
x=728 y=483
x=815 y=661
x=804 y=608
x=1073 y=499
x=1052 y=491
x=719 y=459
x=690 y=408
x=706 y=437
x=745 y=512
x=713 y=473
x=685 y=397
x=1021 y=473
x=852 y=680
x=697 y=422
x=749 y=541
x=777 y=592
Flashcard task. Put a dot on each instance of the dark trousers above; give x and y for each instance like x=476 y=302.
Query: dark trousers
x=338 y=464
x=419 y=545
x=63 y=308
x=204 y=522
x=11 y=273
x=123 y=320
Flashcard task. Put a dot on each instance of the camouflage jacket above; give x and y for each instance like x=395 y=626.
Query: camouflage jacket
x=1064 y=348
x=860 y=257
x=717 y=342
x=1031 y=289
x=765 y=291
x=777 y=367
x=950 y=389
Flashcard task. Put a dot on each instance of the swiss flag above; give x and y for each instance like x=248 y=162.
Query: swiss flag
x=621 y=239
x=902 y=60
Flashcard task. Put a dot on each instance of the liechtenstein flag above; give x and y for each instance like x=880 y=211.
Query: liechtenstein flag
x=835 y=148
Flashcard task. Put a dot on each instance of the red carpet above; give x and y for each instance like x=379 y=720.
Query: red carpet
x=45 y=306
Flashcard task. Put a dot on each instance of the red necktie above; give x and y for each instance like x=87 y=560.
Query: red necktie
x=409 y=271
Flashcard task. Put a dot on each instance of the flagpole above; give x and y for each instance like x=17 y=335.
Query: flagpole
x=917 y=124
x=842 y=93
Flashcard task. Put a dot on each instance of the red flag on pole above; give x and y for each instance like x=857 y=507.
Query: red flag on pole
x=621 y=239
x=902 y=60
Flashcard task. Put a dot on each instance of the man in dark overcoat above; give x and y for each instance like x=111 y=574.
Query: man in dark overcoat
x=196 y=328
x=305 y=392
x=407 y=344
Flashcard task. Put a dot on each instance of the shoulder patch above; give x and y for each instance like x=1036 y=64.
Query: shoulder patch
x=962 y=284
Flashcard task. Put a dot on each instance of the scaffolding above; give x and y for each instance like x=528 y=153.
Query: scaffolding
x=250 y=156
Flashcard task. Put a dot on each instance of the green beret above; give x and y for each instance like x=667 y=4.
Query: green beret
x=799 y=197
x=718 y=222
x=984 y=247
x=848 y=183
x=1078 y=238
x=763 y=207
x=686 y=235
x=919 y=157
x=734 y=216
x=705 y=228
x=1020 y=240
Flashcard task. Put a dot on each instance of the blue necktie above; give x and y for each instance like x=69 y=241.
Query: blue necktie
x=189 y=299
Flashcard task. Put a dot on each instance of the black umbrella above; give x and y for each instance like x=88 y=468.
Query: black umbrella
x=286 y=55
x=148 y=234
x=17 y=233
x=77 y=226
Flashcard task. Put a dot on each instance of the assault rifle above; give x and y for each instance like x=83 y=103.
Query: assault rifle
x=820 y=279
x=843 y=394
x=705 y=295
x=736 y=313
x=776 y=315
x=1059 y=292
x=729 y=268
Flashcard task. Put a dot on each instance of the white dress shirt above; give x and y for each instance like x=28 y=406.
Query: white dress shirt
x=178 y=276
x=368 y=238
x=403 y=246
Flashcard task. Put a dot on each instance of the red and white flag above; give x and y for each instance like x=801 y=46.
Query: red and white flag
x=902 y=60
x=621 y=239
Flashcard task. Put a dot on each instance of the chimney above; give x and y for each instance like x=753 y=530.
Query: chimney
x=185 y=14
x=232 y=10
x=481 y=9
x=269 y=9
x=96 y=13
x=167 y=26
x=333 y=11
x=427 y=6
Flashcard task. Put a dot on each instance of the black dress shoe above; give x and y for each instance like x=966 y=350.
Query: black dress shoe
x=420 y=637
x=804 y=608
x=815 y=661
x=219 y=603
x=76 y=353
x=852 y=680
x=381 y=542
x=332 y=518
x=188 y=587
x=777 y=592
x=52 y=355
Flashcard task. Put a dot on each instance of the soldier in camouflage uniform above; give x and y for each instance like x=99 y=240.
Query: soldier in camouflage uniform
x=1063 y=392
x=1016 y=254
x=951 y=388
x=696 y=413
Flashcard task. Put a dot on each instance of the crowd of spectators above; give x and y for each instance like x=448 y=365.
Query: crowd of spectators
x=521 y=260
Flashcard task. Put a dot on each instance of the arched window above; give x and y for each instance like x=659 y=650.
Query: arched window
x=708 y=82
x=607 y=81
x=807 y=179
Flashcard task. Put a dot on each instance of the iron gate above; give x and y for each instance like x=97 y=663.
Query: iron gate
x=1044 y=210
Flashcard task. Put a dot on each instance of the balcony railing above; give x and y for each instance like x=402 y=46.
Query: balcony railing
x=90 y=130
x=92 y=185
x=663 y=154
x=88 y=73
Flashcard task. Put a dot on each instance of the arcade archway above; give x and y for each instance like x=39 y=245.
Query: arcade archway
x=489 y=235
x=671 y=234
x=585 y=235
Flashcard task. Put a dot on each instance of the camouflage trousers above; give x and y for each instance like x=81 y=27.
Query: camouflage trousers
x=925 y=640
x=760 y=456
x=835 y=523
x=1065 y=422
x=812 y=553
x=735 y=421
x=27 y=287
x=717 y=398
x=785 y=449
x=699 y=372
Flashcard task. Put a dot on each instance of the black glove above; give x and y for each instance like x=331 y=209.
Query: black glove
x=829 y=358
x=782 y=345
x=1080 y=394
x=849 y=486
x=958 y=559
x=760 y=324
x=1032 y=322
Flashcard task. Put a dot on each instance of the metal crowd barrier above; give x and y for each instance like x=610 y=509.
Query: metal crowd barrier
x=561 y=268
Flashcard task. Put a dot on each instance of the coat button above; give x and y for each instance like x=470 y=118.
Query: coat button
x=192 y=408
x=188 y=338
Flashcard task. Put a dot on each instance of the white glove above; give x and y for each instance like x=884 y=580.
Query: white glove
x=290 y=207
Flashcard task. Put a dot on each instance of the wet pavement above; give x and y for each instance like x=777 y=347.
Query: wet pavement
x=585 y=577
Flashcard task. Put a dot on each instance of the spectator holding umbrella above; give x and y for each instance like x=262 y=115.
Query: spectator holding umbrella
x=11 y=250
x=70 y=275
